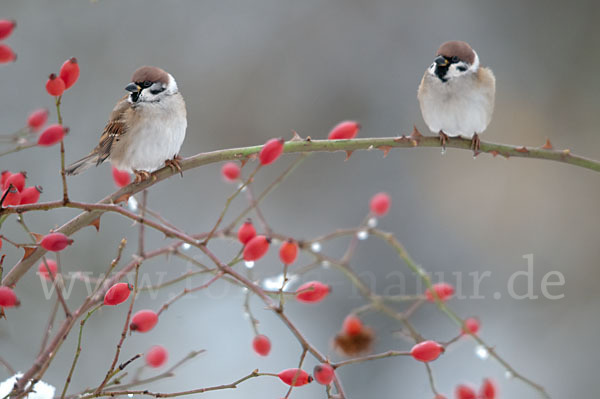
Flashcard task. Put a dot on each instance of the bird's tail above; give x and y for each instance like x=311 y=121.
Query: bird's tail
x=84 y=163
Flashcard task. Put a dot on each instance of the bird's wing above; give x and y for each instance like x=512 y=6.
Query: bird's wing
x=115 y=128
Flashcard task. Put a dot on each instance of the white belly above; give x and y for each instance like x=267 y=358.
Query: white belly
x=457 y=111
x=156 y=138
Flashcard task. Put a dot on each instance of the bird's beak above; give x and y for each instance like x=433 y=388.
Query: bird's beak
x=441 y=61
x=132 y=87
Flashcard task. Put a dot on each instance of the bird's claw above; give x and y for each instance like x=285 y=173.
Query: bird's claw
x=174 y=164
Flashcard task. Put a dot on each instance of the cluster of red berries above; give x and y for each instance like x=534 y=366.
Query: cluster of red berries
x=256 y=246
x=6 y=52
x=68 y=75
x=323 y=374
x=14 y=191
x=488 y=390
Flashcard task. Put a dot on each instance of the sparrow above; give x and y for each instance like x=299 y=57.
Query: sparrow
x=145 y=130
x=456 y=94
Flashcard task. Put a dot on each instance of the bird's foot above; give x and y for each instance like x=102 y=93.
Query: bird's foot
x=443 y=140
x=174 y=164
x=475 y=144
x=142 y=176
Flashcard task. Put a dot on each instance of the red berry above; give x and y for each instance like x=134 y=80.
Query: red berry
x=6 y=54
x=55 y=242
x=246 y=232
x=444 y=291
x=17 y=180
x=380 y=204
x=426 y=351
x=344 y=130
x=37 y=119
x=120 y=177
x=261 y=345
x=7 y=297
x=55 y=86
x=288 y=252
x=271 y=151
x=117 y=294
x=323 y=373
x=256 y=248
x=465 y=392
x=352 y=325
x=472 y=326
x=311 y=292
x=230 y=171
x=52 y=135
x=488 y=389
x=143 y=321
x=69 y=72
x=6 y=28
x=295 y=377
x=11 y=196
x=5 y=175
x=43 y=270
x=30 y=195
x=156 y=356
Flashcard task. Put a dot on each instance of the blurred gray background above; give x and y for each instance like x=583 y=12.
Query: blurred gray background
x=252 y=70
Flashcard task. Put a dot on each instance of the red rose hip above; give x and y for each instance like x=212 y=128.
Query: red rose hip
x=426 y=351
x=55 y=86
x=17 y=180
x=261 y=345
x=465 y=392
x=37 y=119
x=51 y=135
x=11 y=196
x=69 y=72
x=156 y=356
x=6 y=54
x=6 y=28
x=143 y=321
x=295 y=377
x=230 y=171
x=288 y=252
x=323 y=373
x=43 y=270
x=344 y=130
x=488 y=390
x=444 y=292
x=380 y=204
x=256 y=248
x=120 y=177
x=30 y=195
x=7 y=297
x=352 y=325
x=271 y=151
x=312 y=292
x=55 y=242
x=246 y=232
x=117 y=294
x=472 y=326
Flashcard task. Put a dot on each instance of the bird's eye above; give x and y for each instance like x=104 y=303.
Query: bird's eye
x=462 y=68
x=454 y=59
x=147 y=83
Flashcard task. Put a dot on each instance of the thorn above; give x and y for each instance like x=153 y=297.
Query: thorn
x=548 y=145
x=123 y=198
x=38 y=237
x=522 y=149
x=96 y=224
x=28 y=252
x=243 y=162
x=385 y=148
x=494 y=153
x=348 y=154
x=296 y=136
x=415 y=135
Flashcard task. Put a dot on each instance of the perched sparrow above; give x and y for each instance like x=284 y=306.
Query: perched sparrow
x=456 y=94
x=146 y=127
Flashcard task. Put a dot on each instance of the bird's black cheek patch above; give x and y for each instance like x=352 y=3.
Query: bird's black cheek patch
x=441 y=72
x=135 y=97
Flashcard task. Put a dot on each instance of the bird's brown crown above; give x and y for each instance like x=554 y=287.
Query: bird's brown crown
x=462 y=50
x=150 y=74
